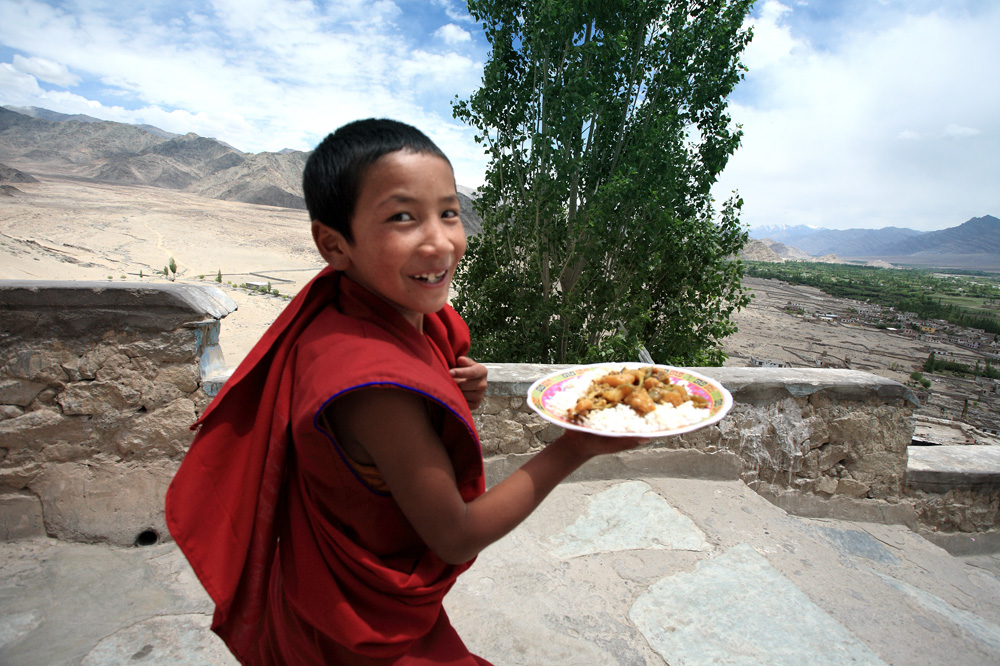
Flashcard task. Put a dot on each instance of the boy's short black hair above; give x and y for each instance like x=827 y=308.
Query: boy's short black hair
x=334 y=172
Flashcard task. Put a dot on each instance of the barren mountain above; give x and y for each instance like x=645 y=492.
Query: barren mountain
x=271 y=179
x=756 y=250
x=49 y=142
x=788 y=252
x=119 y=153
x=855 y=242
x=9 y=175
x=980 y=235
x=771 y=251
x=973 y=244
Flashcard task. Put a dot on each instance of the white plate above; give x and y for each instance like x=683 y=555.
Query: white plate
x=541 y=393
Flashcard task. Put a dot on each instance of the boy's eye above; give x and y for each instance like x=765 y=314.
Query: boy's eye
x=450 y=213
x=401 y=217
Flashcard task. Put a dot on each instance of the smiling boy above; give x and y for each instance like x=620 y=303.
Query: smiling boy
x=335 y=489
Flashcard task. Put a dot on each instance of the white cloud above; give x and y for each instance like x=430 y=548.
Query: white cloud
x=958 y=132
x=46 y=70
x=849 y=134
x=455 y=10
x=19 y=88
x=772 y=42
x=438 y=68
x=452 y=34
x=258 y=74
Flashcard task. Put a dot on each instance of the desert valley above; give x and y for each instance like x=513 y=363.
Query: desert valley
x=83 y=199
x=65 y=227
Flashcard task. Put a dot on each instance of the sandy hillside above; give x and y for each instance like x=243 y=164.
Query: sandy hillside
x=66 y=228
x=72 y=229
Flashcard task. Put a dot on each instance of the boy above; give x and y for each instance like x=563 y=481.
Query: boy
x=335 y=489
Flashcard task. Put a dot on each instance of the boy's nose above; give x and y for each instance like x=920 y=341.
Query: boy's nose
x=438 y=237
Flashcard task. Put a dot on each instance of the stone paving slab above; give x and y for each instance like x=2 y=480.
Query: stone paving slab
x=648 y=571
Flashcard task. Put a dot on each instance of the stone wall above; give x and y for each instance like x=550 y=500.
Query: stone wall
x=99 y=384
x=819 y=432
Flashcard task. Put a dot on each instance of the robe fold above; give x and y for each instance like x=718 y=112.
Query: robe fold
x=307 y=561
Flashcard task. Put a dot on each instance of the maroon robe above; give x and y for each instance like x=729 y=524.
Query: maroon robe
x=306 y=563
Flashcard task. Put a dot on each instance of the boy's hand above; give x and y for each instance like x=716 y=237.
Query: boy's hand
x=471 y=379
x=590 y=444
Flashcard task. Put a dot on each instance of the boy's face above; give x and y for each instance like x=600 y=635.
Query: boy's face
x=408 y=236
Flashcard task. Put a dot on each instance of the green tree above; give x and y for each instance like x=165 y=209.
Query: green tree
x=606 y=126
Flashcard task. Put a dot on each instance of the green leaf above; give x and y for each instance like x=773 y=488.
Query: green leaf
x=605 y=123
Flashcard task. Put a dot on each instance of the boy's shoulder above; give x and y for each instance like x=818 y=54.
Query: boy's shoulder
x=339 y=354
x=332 y=332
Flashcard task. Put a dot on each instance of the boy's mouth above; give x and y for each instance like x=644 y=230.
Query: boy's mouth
x=430 y=278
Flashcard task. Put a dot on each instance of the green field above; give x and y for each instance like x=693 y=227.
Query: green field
x=970 y=299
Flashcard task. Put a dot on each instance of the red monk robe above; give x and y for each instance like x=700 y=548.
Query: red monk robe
x=307 y=560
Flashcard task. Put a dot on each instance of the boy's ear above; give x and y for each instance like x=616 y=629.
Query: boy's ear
x=331 y=245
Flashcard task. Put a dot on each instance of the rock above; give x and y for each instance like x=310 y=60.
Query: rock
x=502 y=436
x=29 y=428
x=830 y=455
x=18 y=477
x=164 y=433
x=10 y=411
x=94 y=397
x=184 y=377
x=112 y=504
x=19 y=392
x=826 y=486
x=851 y=488
x=20 y=517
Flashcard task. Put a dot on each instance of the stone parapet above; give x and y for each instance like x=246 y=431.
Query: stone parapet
x=823 y=432
x=99 y=384
x=956 y=489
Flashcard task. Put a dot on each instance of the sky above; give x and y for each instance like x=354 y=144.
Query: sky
x=855 y=113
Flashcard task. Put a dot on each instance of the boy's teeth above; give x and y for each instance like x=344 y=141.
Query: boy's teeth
x=431 y=277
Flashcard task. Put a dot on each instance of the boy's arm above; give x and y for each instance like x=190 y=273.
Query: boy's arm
x=471 y=379
x=394 y=428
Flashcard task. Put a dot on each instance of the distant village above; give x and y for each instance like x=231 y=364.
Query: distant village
x=973 y=400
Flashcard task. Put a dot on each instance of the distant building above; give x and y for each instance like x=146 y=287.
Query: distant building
x=762 y=363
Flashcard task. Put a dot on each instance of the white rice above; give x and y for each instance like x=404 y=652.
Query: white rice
x=622 y=418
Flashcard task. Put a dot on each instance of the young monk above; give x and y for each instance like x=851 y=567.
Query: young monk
x=334 y=491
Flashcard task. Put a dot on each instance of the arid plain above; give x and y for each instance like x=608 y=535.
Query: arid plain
x=67 y=228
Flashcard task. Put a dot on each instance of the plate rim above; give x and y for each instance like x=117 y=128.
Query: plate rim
x=727 y=399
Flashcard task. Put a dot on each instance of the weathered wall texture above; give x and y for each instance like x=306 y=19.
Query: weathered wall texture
x=823 y=432
x=817 y=442
x=974 y=508
x=99 y=384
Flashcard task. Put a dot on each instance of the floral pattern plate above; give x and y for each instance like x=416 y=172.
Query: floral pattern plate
x=542 y=392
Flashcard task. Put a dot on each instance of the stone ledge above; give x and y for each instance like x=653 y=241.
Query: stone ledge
x=75 y=308
x=936 y=468
x=751 y=384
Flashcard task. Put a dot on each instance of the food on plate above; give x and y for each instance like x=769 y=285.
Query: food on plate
x=633 y=400
x=642 y=389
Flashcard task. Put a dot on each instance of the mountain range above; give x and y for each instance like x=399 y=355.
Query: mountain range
x=973 y=244
x=40 y=141
x=36 y=141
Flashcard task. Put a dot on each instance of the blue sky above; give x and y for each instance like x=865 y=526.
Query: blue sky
x=856 y=113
